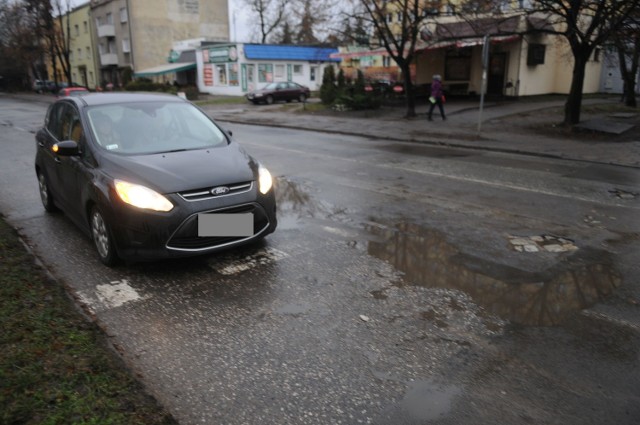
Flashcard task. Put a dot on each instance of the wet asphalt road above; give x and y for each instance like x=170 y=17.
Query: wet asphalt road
x=391 y=293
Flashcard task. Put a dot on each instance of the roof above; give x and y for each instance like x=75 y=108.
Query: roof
x=165 y=69
x=284 y=52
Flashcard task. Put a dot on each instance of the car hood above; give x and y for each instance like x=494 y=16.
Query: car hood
x=179 y=171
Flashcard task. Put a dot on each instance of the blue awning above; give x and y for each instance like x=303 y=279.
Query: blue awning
x=282 y=52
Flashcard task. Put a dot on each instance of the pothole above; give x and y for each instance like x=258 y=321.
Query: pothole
x=623 y=194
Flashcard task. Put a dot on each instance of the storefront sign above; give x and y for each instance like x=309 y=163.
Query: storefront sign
x=223 y=54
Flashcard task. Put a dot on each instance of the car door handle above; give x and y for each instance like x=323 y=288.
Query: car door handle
x=56 y=159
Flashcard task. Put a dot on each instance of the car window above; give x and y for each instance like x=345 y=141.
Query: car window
x=282 y=86
x=54 y=119
x=271 y=86
x=153 y=127
x=70 y=128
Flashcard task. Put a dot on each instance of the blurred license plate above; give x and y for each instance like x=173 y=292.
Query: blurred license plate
x=225 y=224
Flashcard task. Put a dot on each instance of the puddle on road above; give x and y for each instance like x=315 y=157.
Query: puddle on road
x=543 y=298
x=579 y=280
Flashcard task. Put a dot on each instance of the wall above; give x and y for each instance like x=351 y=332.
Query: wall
x=156 y=24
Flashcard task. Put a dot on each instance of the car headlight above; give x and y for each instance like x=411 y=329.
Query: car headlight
x=258 y=95
x=264 y=180
x=142 y=197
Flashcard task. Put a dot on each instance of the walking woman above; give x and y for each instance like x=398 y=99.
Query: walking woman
x=436 y=97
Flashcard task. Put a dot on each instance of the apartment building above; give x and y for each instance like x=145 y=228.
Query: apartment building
x=134 y=35
x=81 y=47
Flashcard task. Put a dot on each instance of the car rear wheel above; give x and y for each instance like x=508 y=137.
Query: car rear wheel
x=302 y=97
x=269 y=100
x=102 y=239
x=45 y=193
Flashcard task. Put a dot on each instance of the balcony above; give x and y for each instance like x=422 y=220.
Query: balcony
x=106 y=31
x=108 y=59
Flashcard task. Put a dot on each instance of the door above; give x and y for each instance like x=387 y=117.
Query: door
x=70 y=168
x=496 y=74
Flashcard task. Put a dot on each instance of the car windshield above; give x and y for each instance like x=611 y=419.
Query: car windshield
x=153 y=127
x=271 y=86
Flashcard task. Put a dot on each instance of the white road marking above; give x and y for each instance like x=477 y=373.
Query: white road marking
x=110 y=295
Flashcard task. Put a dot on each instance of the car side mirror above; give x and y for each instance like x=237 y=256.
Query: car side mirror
x=66 y=148
x=230 y=133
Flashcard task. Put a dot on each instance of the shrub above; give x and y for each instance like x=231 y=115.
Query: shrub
x=328 y=90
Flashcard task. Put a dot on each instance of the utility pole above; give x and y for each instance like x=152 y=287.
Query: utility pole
x=483 y=88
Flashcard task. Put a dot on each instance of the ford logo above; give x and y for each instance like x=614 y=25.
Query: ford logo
x=220 y=190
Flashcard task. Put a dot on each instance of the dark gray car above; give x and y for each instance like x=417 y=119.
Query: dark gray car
x=150 y=176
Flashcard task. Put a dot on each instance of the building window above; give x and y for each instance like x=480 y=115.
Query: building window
x=79 y=54
x=88 y=52
x=265 y=73
x=596 y=54
x=399 y=16
x=390 y=18
x=312 y=73
x=297 y=70
x=535 y=54
x=386 y=61
x=86 y=27
x=77 y=30
x=221 y=71
x=126 y=46
x=123 y=15
x=279 y=72
x=109 y=19
x=457 y=65
x=99 y=22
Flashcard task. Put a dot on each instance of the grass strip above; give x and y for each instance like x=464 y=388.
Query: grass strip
x=55 y=366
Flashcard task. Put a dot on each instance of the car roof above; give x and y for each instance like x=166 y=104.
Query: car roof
x=93 y=99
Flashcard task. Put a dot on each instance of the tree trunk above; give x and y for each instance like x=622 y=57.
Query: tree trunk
x=574 y=100
x=408 y=90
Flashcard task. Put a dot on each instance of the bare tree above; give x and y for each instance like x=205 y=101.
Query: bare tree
x=269 y=13
x=62 y=39
x=627 y=43
x=586 y=25
x=20 y=50
x=396 y=26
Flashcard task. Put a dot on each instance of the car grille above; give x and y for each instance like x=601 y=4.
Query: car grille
x=207 y=193
x=186 y=237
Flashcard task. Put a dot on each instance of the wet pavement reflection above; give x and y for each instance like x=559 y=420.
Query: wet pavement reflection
x=544 y=298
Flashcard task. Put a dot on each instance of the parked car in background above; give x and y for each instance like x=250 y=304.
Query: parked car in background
x=150 y=176
x=274 y=92
x=72 y=91
x=39 y=86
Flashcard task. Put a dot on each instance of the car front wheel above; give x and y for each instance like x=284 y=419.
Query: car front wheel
x=102 y=239
x=45 y=193
x=302 y=97
x=269 y=100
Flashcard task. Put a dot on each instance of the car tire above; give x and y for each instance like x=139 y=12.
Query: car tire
x=269 y=100
x=102 y=238
x=45 y=193
x=302 y=98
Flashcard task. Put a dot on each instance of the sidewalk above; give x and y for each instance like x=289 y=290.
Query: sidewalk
x=506 y=127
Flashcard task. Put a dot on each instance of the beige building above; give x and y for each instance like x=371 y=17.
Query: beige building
x=522 y=59
x=135 y=35
x=81 y=47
